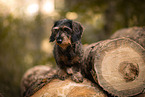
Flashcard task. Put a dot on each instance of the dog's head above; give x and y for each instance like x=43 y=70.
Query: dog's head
x=65 y=32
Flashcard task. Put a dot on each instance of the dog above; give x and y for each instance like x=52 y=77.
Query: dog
x=68 y=50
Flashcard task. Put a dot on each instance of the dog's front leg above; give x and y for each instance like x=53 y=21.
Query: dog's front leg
x=76 y=75
x=62 y=74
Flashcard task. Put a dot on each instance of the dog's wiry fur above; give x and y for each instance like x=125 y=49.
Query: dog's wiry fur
x=68 y=48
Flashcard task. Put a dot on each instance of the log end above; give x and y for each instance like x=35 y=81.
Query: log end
x=120 y=67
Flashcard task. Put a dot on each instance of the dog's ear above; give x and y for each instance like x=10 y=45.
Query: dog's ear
x=53 y=33
x=77 y=31
x=52 y=37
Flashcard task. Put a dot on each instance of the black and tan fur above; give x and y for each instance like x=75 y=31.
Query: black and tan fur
x=68 y=48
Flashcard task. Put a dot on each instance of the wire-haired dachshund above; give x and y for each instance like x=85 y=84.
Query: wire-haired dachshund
x=68 y=50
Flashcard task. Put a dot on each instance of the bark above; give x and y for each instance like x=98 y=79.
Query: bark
x=117 y=65
x=135 y=33
x=40 y=81
x=35 y=78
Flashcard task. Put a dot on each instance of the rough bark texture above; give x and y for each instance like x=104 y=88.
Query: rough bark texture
x=35 y=78
x=135 y=33
x=117 y=65
x=40 y=82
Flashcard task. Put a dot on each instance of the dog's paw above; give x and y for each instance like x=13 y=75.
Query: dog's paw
x=77 y=77
x=62 y=75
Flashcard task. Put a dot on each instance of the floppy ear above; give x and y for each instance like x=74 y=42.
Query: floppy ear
x=52 y=37
x=77 y=31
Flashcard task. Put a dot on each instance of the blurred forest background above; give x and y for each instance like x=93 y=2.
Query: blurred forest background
x=25 y=27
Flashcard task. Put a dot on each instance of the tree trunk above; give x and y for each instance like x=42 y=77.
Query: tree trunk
x=41 y=82
x=117 y=65
x=135 y=33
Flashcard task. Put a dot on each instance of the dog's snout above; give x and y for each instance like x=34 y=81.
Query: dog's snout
x=59 y=40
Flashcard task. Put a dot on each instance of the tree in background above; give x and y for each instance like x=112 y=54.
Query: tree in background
x=103 y=17
x=24 y=40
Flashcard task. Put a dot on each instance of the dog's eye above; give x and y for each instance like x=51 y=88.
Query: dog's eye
x=55 y=30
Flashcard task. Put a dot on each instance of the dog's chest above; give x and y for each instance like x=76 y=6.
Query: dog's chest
x=69 y=57
x=68 y=60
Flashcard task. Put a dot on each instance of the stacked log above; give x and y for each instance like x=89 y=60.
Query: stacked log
x=40 y=81
x=117 y=65
x=35 y=78
x=135 y=33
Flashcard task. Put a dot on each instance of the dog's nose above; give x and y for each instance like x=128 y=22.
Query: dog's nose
x=59 y=40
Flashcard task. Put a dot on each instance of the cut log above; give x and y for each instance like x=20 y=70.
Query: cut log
x=68 y=88
x=40 y=82
x=135 y=33
x=117 y=65
x=35 y=78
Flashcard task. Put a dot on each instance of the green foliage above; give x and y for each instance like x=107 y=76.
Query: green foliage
x=22 y=38
x=116 y=14
x=20 y=49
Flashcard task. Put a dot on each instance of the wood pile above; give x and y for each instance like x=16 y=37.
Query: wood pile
x=40 y=81
x=113 y=67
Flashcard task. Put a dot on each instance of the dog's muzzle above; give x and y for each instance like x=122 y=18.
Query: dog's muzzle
x=59 y=40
